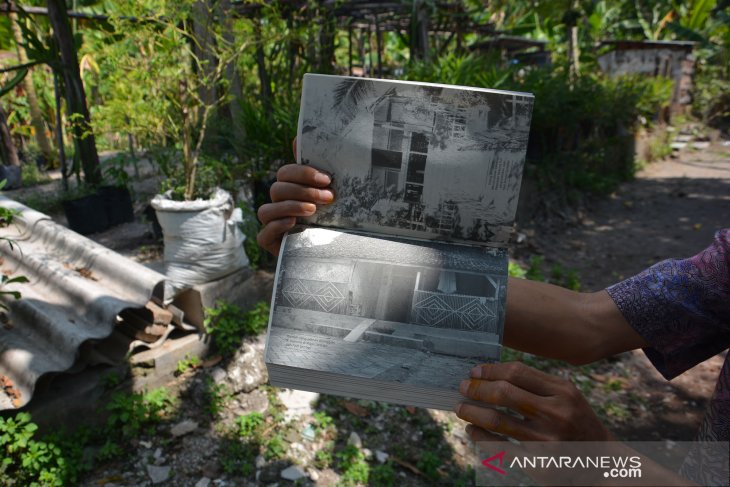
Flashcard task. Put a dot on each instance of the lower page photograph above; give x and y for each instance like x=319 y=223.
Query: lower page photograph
x=384 y=318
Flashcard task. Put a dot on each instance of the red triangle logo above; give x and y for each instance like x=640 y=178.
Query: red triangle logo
x=487 y=463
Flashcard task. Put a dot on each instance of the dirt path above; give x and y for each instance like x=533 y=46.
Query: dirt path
x=672 y=209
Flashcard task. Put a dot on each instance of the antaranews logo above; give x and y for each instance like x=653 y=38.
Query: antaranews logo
x=499 y=456
x=616 y=467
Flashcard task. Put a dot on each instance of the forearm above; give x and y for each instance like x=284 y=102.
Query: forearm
x=555 y=322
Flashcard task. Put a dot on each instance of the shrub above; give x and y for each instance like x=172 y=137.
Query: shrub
x=27 y=461
x=228 y=324
x=582 y=132
x=712 y=96
x=130 y=413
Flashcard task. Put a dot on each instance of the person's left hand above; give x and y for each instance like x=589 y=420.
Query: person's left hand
x=549 y=408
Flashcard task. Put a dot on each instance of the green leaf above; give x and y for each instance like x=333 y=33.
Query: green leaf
x=19 y=76
x=17 y=279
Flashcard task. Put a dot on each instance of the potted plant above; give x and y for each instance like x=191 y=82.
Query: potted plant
x=115 y=194
x=200 y=224
x=84 y=209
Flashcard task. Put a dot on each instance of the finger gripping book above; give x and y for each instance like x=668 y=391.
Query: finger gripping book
x=394 y=291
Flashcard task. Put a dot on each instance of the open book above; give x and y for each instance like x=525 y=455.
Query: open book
x=397 y=289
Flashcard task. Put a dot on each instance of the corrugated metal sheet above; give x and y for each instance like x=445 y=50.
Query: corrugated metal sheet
x=77 y=288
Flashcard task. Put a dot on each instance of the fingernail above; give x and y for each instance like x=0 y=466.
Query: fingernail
x=464 y=387
x=322 y=178
x=457 y=408
x=326 y=196
x=290 y=221
x=309 y=208
x=476 y=372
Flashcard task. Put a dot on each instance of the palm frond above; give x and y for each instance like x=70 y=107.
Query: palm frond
x=350 y=92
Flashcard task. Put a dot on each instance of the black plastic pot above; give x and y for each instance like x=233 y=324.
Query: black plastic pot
x=86 y=215
x=117 y=204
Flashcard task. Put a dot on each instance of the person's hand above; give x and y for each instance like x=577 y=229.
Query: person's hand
x=548 y=408
x=296 y=192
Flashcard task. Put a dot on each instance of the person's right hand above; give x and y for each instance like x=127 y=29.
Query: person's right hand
x=296 y=192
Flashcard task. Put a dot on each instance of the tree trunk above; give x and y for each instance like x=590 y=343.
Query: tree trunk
x=419 y=31
x=75 y=96
x=573 y=54
x=233 y=107
x=266 y=96
x=204 y=49
x=36 y=118
x=7 y=148
x=328 y=29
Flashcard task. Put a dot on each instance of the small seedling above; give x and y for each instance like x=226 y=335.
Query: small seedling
x=188 y=363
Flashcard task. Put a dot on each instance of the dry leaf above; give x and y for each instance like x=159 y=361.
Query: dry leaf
x=356 y=409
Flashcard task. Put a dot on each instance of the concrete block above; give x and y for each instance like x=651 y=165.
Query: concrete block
x=244 y=288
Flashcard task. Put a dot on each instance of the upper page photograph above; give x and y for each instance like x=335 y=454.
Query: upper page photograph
x=416 y=159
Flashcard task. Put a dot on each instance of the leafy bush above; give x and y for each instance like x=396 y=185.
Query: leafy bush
x=269 y=135
x=465 y=70
x=130 y=413
x=582 y=131
x=228 y=324
x=32 y=176
x=712 y=96
x=29 y=462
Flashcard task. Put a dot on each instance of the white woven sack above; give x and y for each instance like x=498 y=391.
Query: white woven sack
x=203 y=240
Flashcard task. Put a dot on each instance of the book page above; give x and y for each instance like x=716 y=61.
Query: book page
x=417 y=313
x=416 y=159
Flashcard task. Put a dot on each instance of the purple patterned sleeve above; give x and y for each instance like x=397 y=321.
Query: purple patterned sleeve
x=681 y=307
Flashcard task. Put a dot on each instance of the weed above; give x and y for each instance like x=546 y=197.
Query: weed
x=613 y=385
x=188 y=363
x=228 y=324
x=217 y=396
x=249 y=424
x=275 y=447
x=130 y=413
x=48 y=203
x=251 y=228
x=351 y=461
x=429 y=464
x=572 y=281
x=556 y=273
x=323 y=457
x=515 y=270
x=534 y=271
x=109 y=451
x=32 y=176
x=26 y=461
x=659 y=146
x=615 y=410
x=276 y=407
x=322 y=422
x=382 y=475
x=111 y=380
x=238 y=458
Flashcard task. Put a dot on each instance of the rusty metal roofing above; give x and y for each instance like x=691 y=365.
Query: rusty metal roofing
x=76 y=290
